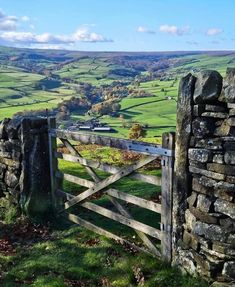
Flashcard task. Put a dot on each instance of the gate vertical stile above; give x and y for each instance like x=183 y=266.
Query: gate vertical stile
x=168 y=141
x=53 y=161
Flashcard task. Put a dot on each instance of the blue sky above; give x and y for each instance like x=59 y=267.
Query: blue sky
x=118 y=25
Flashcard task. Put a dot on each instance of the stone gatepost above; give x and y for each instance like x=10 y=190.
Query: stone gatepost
x=204 y=188
x=24 y=164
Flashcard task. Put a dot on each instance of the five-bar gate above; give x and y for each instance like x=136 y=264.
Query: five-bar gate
x=102 y=186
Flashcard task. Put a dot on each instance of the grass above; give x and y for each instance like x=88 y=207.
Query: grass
x=77 y=257
x=69 y=255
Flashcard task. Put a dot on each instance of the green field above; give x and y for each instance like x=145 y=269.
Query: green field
x=157 y=112
x=19 y=84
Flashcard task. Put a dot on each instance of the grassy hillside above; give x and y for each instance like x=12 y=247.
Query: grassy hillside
x=23 y=73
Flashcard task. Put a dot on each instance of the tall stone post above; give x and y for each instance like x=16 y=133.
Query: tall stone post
x=204 y=187
x=35 y=194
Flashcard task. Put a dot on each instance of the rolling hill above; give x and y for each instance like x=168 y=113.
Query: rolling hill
x=42 y=79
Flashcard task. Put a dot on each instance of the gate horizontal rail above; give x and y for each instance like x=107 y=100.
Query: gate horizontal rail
x=102 y=186
x=130 y=145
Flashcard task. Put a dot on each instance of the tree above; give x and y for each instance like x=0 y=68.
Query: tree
x=136 y=132
x=116 y=107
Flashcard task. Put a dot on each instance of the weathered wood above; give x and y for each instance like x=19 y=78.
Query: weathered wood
x=74 y=179
x=151 y=179
x=90 y=226
x=111 y=179
x=126 y=219
x=168 y=141
x=74 y=152
x=147 y=204
x=140 y=147
x=143 y=237
x=53 y=162
x=122 y=219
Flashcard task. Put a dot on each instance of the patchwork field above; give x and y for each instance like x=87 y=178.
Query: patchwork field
x=22 y=81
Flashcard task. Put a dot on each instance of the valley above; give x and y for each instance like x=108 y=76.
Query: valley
x=119 y=89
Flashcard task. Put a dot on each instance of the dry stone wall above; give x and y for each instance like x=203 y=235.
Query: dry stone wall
x=24 y=164
x=10 y=156
x=204 y=193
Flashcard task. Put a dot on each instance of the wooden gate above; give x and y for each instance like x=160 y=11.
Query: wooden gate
x=123 y=216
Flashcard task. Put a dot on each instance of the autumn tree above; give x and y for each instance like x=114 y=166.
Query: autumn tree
x=136 y=132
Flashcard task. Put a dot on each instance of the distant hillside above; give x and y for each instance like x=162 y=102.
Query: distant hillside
x=70 y=82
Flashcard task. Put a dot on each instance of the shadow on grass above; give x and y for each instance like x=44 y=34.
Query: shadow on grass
x=77 y=256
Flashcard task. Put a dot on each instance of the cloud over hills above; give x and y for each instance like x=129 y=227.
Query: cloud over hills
x=214 y=31
x=7 y=23
x=174 y=30
x=10 y=34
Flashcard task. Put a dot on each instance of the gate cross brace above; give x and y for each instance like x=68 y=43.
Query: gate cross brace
x=121 y=209
x=109 y=180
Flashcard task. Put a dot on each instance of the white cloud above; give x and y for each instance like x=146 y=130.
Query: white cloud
x=214 y=31
x=174 y=30
x=142 y=29
x=29 y=38
x=7 y=23
x=25 y=18
x=9 y=34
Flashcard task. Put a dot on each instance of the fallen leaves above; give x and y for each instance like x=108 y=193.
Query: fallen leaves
x=139 y=275
x=22 y=233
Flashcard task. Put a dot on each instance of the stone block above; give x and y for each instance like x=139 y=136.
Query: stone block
x=190 y=220
x=190 y=240
x=227 y=208
x=225 y=129
x=224 y=248
x=232 y=112
x=204 y=203
x=203 y=127
x=198 y=187
x=197 y=164
x=211 y=144
x=185 y=260
x=3 y=131
x=218 y=158
x=217 y=115
x=208 y=87
x=13 y=128
x=10 y=162
x=210 y=231
x=11 y=180
x=203 y=216
x=192 y=199
x=229 y=157
x=229 y=270
x=229 y=94
x=221 y=168
x=215 y=108
x=207 y=173
x=201 y=155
